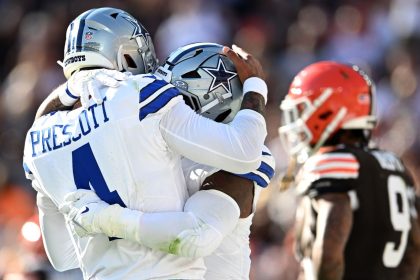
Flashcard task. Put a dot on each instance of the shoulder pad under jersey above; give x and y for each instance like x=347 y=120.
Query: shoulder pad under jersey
x=324 y=166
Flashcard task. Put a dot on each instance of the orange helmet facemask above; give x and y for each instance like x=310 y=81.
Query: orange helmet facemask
x=324 y=98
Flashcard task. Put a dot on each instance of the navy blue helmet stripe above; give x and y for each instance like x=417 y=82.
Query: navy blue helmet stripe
x=80 y=34
x=73 y=41
x=69 y=43
x=159 y=102
x=266 y=169
x=151 y=88
x=80 y=29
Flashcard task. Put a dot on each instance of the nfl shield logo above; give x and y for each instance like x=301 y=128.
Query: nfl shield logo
x=88 y=35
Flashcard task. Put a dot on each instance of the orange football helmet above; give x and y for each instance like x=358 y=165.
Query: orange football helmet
x=323 y=98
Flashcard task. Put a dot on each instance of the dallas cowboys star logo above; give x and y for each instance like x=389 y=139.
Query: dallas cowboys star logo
x=137 y=28
x=221 y=76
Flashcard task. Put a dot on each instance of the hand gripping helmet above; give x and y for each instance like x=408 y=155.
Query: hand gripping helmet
x=108 y=38
x=323 y=98
x=206 y=78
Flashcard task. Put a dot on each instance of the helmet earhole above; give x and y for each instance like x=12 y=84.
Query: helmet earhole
x=130 y=61
x=223 y=116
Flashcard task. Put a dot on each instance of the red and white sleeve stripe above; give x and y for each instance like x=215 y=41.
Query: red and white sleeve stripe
x=334 y=165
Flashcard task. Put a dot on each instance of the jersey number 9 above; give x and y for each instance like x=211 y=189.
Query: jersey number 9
x=400 y=220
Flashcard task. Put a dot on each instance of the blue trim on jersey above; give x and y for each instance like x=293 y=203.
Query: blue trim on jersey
x=151 y=88
x=266 y=169
x=261 y=181
x=26 y=168
x=266 y=154
x=256 y=178
x=69 y=93
x=159 y=102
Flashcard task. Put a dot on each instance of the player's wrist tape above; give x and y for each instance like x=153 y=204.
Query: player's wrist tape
x=67 y=98
x=257 y=85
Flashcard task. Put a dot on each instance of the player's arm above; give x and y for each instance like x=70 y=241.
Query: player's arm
x=241 y=187
x=234 y=147
x=209 y=215
x=299 y=242
x=57 y=240
x=409 y=267
x=238 y=188
x=52 y=103
x=333 y=227
x=249 y=71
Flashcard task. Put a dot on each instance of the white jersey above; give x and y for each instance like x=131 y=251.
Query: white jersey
x=231 y=260
x=120 y=150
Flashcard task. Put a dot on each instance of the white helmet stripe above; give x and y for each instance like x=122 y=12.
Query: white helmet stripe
x=189 y=48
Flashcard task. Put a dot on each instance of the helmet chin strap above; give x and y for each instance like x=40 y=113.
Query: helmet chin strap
x=330 y=128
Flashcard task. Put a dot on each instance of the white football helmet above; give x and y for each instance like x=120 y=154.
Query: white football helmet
x=207 y=79
x=108 y=38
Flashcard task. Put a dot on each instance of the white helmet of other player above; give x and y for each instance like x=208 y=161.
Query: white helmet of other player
x=206 y=78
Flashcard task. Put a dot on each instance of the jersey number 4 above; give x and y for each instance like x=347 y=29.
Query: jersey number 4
x=86 y=173
x=400 y=220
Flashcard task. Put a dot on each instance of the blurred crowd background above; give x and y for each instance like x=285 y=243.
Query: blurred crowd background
x=381 y=36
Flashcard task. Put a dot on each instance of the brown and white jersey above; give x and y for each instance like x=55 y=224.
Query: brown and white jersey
x=381 y=193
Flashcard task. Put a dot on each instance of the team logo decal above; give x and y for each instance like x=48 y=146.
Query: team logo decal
x=137 y=28
x=181 y=84
x=221 y=76
x=88 y=35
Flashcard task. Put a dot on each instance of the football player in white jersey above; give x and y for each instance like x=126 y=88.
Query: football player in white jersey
x=128 y=149
x=187 y=68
